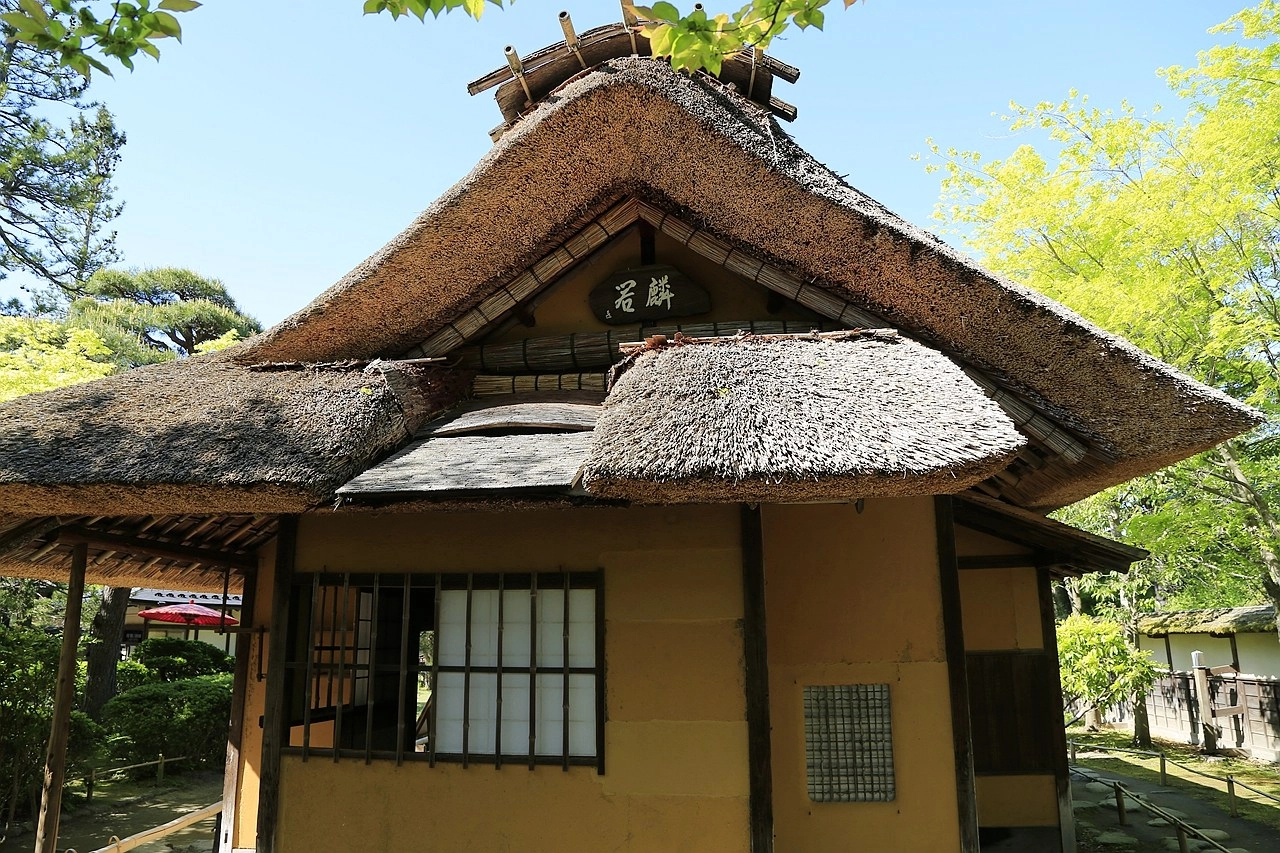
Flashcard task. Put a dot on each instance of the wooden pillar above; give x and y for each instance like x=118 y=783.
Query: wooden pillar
x=273 y=728
x=1204 y=704
x=55 y=764
x=235 y=732
x=755 y=652
x=1061 y=765
x=957 y=673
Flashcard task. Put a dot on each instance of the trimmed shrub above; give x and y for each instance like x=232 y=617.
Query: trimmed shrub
x=173 y=659
x=187 y=717
x=131 y=674
x=85 y=746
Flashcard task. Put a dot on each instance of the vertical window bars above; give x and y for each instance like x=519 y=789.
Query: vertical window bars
x=371 y=688
x=347 y=656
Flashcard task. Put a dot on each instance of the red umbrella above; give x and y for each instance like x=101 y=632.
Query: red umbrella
x=188 y=614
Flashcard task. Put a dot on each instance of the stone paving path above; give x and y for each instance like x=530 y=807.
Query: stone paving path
x=1095 y=807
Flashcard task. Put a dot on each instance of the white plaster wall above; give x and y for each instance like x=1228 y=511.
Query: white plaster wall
x=1259 y=654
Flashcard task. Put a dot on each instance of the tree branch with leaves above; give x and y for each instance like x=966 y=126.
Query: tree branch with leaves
x=91 y=37
x=1163 y=230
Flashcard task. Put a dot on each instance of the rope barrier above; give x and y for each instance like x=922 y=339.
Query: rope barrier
x=1229 y=780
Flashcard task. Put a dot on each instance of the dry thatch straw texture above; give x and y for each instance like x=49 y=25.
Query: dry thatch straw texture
x=1255 y=618
x=527 y=196
x=208 y=436
x=794 y=419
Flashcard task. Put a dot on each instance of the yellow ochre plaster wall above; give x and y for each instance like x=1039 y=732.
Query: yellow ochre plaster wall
x=1022 y=800
x=676 y=740
x=1001 y=609
x=855 y=598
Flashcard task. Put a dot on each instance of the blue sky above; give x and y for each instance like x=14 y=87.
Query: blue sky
x=281 y=144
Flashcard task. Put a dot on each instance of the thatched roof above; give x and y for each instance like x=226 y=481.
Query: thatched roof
x=608 y=134
x=224 y=435
x=1253 y=619
x=207 y=436
x=794 y=418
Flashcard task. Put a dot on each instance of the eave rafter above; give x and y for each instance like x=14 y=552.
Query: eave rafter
x=192 y=552
x=1057 y=546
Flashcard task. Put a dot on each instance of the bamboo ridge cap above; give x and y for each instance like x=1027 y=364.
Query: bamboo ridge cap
x=538 y=74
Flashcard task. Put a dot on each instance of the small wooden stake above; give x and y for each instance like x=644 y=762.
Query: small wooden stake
x=55 y=765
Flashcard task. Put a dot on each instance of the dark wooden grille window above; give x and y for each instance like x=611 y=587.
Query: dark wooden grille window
x=498 y=668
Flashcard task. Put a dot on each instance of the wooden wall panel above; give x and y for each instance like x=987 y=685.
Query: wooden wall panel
x=1013 y=712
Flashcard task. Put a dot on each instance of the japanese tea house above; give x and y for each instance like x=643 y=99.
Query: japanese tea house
x=654 y=490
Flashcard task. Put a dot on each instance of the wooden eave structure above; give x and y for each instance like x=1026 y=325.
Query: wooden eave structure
x=199 y=553
x=1064 y=550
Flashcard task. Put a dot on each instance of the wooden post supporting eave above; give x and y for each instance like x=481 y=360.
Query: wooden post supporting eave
x=755 y=653
x=1061 y=765
x=273 y=724
x=55 y=764
x=235 y=732
x=957 y=673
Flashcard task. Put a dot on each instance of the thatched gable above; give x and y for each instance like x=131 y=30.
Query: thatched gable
x=1254 y=618
x=207 y=436
x=609 y=133
x=836 y=416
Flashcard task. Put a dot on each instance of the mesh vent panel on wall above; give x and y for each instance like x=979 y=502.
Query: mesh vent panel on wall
x=848 y=743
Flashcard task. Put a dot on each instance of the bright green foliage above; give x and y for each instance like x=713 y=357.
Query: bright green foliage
x=700 y=40
x=177 y=718
x=28 y=673
x=39 y=355
x=75 y=32
x=1203 y=553
x=131 y=674
x=420 y=8
x=1164 y=230
x=175 y=659
x=1099 y=666
x=152 y=315
x=227 y=339
x=78 y=33
x=693 y=41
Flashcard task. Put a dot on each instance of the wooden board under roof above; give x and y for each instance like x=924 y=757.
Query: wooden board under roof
x=475 y=465
x=529 y=415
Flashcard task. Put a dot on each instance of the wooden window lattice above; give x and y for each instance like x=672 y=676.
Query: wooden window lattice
x=848 y=739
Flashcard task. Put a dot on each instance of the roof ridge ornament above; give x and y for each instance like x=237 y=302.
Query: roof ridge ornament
x=525 y=82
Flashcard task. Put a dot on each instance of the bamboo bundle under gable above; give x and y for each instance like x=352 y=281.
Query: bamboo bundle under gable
x=484 y=386
x=587 y=350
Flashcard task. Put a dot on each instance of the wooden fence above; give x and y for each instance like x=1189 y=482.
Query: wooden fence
x=1174 y=712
